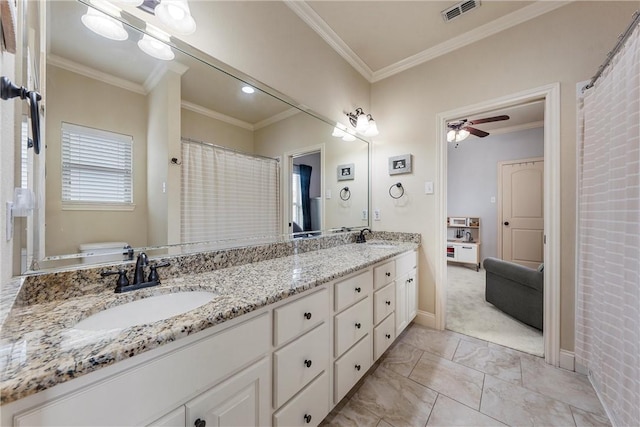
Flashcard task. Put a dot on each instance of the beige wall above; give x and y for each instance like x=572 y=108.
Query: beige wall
x=202 y=128
x=87 y=102
x=565 y=46
x=7 y=131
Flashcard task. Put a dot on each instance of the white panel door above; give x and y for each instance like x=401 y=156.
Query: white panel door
x=521 y=194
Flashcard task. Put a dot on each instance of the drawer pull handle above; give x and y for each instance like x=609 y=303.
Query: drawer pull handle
x=200 y=423
x=307 y=418
x=358 y=325
x=388 y=336
x=388 y=274
x=388 y=302
x=307 y=363
x=358 y=367
x=358 y=290
x=307 y=316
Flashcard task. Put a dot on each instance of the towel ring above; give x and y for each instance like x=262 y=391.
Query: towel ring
x=345 y=194
x=398 y=185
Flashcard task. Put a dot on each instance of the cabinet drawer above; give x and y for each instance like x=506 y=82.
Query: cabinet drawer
x=384 y=302
x=309 y=407
x=353 y=289
x=175 y=418
x=294 y=318
x=299 y=362
x=351 y=325
x=406 y=263
x=384 y=274
x=351 y=367
x=383 y=336
x=466 y=253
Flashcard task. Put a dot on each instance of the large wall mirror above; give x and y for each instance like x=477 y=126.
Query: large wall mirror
x=183 y=157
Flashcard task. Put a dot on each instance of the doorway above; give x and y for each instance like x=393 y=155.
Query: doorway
x=305 y=188
x=551 y=96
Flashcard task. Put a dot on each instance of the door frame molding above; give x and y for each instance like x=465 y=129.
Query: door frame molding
x=499 y=196
x=287 y=170
x=551 y=95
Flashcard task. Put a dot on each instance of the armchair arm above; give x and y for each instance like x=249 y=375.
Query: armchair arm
x=515 y=272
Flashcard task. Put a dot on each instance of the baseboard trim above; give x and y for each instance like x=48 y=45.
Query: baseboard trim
x=425 y=318
x=567 y=360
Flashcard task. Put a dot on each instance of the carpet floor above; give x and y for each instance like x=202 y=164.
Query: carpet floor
x=468 y=313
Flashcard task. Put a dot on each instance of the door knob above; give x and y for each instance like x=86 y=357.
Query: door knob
x=506 y=223
x=200 y=423
x=307 y=363
x=307 y=418
x=307 y=316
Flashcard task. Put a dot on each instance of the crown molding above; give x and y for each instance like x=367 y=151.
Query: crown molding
x=276 y=118
x=317 y=24
x=503 y=23
x=215 y=115
x=311 y=18
x=94 y=74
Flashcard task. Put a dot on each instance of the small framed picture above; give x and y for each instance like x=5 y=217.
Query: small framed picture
x=346 y=172
x=400 y=164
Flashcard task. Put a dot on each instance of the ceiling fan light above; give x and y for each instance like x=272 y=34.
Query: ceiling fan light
x=451 y=135
x=176 y=15
x=104 y=25
x=462 y=134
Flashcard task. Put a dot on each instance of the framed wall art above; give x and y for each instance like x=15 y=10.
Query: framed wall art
x=400 y=164
x=346 y=172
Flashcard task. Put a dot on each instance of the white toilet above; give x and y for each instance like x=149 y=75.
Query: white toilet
x=102 y=252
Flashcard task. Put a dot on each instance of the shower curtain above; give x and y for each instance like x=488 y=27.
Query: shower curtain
x=608 y=282
x=227 y=195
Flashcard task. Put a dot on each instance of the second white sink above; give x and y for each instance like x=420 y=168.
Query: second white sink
x=146 y=310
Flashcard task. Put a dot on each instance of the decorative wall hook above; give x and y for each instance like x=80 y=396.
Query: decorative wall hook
x=7 y=91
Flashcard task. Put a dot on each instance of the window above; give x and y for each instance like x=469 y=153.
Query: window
x=96 y=168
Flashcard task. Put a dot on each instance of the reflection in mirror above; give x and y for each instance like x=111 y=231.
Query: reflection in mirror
x=152 y=154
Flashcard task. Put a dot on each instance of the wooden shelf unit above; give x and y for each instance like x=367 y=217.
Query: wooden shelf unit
x=460 y=248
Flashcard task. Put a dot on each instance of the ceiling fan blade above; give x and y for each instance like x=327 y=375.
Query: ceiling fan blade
x=488 y=119
x=476 y=132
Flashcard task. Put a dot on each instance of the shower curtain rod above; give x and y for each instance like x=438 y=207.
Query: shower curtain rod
x=195 y=141
x=621 y=39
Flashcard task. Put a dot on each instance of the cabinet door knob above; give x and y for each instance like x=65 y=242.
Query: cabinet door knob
x=200 y=423
x=307 y=363
x=358 y=367
x=388 y=302
x=358 y=290
x=388 y=336
x=307 y=316
x=358 y=325
x=307 y=418
x=388 y=274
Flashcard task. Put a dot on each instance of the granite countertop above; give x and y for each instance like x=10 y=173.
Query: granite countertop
x=39 y=347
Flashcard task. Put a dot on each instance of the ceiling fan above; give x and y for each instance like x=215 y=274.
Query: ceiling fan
x=461 y=129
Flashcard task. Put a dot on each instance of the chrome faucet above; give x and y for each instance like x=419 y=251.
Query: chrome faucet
x=141 y=263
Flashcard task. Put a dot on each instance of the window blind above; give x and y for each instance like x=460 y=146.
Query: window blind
x=96 y=166
x=227 y=195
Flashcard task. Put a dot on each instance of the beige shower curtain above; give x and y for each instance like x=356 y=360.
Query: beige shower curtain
x=608 y=283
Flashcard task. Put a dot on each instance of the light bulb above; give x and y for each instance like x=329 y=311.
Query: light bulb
x=451 y=135
x=176 y=15
x=362 y=123
x=248 y=89
x=372 y=130
x=104 y=25
x=462 y=134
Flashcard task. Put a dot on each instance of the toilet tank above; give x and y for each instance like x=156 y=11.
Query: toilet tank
x=102 y=252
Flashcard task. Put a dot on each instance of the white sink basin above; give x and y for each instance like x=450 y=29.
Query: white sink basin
x=146 y=310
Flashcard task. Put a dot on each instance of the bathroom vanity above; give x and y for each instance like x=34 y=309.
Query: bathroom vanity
x=283 y=341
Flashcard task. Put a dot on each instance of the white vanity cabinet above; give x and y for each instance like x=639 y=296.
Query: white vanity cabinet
x=406 y=290
x=301 y=360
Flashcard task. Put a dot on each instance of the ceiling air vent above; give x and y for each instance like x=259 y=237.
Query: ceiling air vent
x=459 y=9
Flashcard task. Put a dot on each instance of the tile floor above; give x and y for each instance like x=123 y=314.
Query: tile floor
x=442 y=378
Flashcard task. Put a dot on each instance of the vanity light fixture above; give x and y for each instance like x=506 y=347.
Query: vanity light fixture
x=363 y=123
x=341 y=131
x=155 y=44
x=248 y=89
x=103 y=24
x=176 y=15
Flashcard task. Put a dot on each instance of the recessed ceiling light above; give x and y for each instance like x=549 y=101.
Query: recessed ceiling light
x=248 y=89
